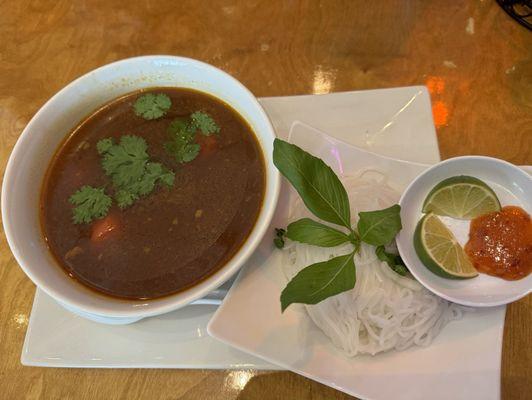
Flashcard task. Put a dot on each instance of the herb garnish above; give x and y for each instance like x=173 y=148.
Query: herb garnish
x=324 y=195
x=182 y=146
x=182 y=133
x=152 y=106
x=393 y=260
x=128 y=165
x=278 y=241
x=317 y=184
x=91 y=203
x=132 y=173
x=379 y=227
x=204 y=123
x=312 y=232
x=320 y=281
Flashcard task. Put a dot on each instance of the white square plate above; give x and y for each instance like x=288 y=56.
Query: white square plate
x=463 y=362
x=383 y=120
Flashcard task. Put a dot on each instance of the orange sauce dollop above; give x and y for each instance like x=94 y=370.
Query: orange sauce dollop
x=500 y=243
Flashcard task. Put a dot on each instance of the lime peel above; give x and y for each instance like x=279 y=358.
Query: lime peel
x=439 y=251
x=462 y=197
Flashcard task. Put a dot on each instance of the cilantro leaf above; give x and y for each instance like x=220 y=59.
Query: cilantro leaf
x=154 y=173
x=183 y=133
x=128 y=165
x=125 y=199
x=103 y=145
x=204 y=123
x=184 y=128
x=91 y=203
x=183 y=152
x=125 y=162
x=189 y=152
x=164 y=175
x=152 y=106
x=182 y=145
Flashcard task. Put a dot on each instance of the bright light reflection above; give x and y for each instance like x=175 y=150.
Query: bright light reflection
x=336 y=155
x=237 y=380
x=21 y=319
x=440 y=109
x=323 y=81
x=371 y=137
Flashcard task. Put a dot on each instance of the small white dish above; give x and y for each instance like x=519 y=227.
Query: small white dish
x=56 y=119
x=511 y=184
x=462 y=363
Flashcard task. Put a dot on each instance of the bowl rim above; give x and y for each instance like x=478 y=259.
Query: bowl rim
x=401 y=248
x=191 y=294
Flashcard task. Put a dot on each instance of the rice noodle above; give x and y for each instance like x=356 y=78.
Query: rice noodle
x=384 y=310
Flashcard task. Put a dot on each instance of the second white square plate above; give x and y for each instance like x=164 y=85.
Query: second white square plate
x=463 y=362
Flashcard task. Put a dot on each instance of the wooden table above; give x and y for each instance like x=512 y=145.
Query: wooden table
x=475 y=60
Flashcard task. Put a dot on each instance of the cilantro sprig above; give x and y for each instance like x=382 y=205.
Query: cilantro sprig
x=152 y=106
x=182 y=131
x=128 y=165
x=90 y=203
x=324 y=195
x=204 y=122
x=132 y=174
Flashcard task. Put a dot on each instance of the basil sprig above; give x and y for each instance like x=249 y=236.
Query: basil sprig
x=319 y=281
x=317 y=184
x=394 y=261
x=379 y=227
x=325 y=196
x=312 y=232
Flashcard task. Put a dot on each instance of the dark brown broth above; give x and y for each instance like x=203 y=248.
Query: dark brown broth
x=174 y=237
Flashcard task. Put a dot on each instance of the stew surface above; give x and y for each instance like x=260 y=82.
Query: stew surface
x=173 y=237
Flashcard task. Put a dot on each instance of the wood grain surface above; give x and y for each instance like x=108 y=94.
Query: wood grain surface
x=475 y=60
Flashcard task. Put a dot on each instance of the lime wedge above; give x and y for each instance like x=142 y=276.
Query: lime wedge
x=439 y=251
x=462 y=197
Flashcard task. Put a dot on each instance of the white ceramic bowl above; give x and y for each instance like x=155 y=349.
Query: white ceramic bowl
x=512 y=185
x=40 y=139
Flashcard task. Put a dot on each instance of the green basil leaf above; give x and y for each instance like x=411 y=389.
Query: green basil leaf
x=394 y=261
x=320 y=281
x=312 y=232
x=400 y=269
x=379 y=227
x=317 y=184
x=383 y=255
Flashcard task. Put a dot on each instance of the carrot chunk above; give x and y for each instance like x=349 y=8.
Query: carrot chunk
x=103 y=227
x=209 y=144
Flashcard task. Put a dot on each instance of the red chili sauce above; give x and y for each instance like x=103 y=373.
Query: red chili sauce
x=500 y=243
